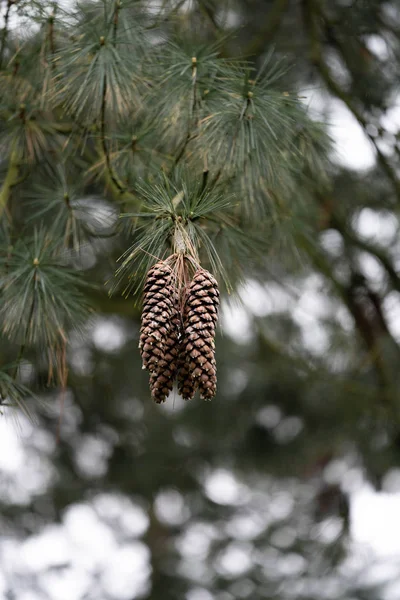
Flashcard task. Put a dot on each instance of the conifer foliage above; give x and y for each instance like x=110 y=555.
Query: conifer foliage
x=111 y=109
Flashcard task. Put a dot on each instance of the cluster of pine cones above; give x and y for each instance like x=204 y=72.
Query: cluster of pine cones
x=177 y=333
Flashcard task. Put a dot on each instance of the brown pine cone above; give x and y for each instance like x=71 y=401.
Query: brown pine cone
x=200 y=317
x=162 y=379
x=157 y=314
x=186 y=383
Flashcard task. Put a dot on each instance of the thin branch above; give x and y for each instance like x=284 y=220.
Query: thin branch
x=11 y=180
x=370 y=249
x=189 y=135
x=269 y=29
x=117 y=5
x=63 y=377
x=120 y=187
x=51 y=31
x=28 y=325
x=232 y=143
x=160 y=20
x=204 y=180
x=181 y=152
x=334 y=221
x=194 y=84
x=311 y=13
x=4 y=32
x=206 y=10
x=363 y=326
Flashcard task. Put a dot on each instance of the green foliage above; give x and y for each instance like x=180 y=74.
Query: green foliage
x=203 y=153
x=185 y=215
x=98 y=72
x=41 y=296
x=13 y=393
x=60 y=201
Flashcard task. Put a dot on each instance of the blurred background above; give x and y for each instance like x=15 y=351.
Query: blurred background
x=287 y=485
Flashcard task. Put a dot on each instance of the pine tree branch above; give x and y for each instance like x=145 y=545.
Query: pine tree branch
x=207 y=11
x=231 y=146
x=181 y=152
x=391 y=27
x=121 y=189
x=51 y=33
x=117 y=5
x=374 y=344
x=4 y=33
x=167 y=16
x=28 y=325
x=269 y=29
x=335 y=222
x=12 y=179
x=312 y=16
x=370 y=249
x=330 y=30
x=190 y=134
x=112 y=175
x=204 y=180
x=363 y=326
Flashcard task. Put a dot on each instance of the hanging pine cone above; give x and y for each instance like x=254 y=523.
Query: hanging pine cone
x=198 y=366
x=162 y=379
x=157 y=315
x=170 y=350
x=186 y=382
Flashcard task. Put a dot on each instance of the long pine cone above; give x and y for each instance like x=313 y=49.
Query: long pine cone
x=162 y=379
x=198 y=367
x=157 y=314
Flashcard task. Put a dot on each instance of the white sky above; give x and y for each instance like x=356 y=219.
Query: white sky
x=375 y=520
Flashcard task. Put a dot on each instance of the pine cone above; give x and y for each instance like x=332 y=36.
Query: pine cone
x=186 y=383
x=157 y=314
x=198 y=368
x=162 y=379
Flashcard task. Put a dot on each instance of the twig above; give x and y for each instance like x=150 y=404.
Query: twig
x=206 y=10
x=246 y=104
x=182 y=150
x=204 y=180
x=117 y=6
x=51 y=31
x=4 y=32
x=121 y=188
x=362 y=324
x=335 y=222
x=28 y=325
x=11 y=180
x=269 y=30
x=310 y=12
x=63 y=375
x=373 y=250
x=189 y=135
x=160 y=20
